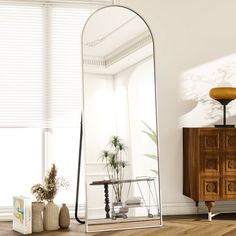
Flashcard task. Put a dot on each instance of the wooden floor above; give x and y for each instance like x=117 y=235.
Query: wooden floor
x=222 y=225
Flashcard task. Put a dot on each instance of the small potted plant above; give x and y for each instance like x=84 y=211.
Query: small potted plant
x=47 y=192
x=115 y=165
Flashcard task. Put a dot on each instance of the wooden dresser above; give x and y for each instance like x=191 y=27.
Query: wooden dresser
x=209 y=164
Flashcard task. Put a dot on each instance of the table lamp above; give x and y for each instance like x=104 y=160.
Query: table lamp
x=223 y=95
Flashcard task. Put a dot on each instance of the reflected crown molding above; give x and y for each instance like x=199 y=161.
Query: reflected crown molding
x=125 y=50
x=94 y=61
x=129 y=48
x=96 y=42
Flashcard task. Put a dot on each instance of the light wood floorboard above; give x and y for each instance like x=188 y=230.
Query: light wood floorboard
x=222 y=225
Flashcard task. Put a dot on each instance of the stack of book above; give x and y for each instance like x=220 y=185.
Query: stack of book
x=22 y=215
x=133 y=202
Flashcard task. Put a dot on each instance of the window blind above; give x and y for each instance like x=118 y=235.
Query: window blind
x=40 y=62
x=65 y=95
x=21 y=65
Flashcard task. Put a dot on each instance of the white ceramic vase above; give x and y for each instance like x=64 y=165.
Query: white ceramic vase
x=51 y=216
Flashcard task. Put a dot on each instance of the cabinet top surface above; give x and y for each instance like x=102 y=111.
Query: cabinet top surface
x=212 y=128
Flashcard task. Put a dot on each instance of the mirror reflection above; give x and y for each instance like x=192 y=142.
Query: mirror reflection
x=121 y=146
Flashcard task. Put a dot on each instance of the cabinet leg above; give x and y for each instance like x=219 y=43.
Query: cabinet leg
x=196 y=204
x=210 y=205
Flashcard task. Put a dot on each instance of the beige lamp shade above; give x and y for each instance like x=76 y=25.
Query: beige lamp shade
x=223 y=93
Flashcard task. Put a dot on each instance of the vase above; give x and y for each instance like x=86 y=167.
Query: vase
x=51 y=216
x=37 y=217
x=64 y=217
x=119 y=211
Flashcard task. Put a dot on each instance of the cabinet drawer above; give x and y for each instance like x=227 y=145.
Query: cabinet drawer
x=210 y=189
x=210 y=141
x=229 y=164
x=230 y=141
x=210 y=163
x=229 y=188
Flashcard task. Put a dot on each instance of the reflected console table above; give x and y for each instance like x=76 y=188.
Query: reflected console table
x=106 y=183
x=209 y=165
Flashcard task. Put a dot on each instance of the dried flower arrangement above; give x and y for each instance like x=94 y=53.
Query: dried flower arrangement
x=49 y=189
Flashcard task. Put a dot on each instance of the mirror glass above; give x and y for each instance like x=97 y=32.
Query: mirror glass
x=120 y=122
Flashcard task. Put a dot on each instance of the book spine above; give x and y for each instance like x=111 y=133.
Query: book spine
x=28 y=217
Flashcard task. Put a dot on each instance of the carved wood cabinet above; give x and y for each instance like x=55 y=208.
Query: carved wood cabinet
x=209 y=164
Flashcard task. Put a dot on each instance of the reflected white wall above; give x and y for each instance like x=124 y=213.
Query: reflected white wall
x=138 y=82
x=99 y=124
x=117 y=105
x=98 y=114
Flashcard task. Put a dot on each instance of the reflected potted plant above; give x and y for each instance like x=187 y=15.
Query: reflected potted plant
x=152 y=134
x=115 y=165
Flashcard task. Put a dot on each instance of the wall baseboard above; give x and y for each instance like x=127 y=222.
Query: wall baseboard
x=191 y=209
x=178 y=208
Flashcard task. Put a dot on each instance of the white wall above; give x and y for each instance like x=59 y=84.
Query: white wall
x=193 y=40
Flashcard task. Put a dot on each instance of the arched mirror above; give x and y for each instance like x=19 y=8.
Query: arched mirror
x=120 y=122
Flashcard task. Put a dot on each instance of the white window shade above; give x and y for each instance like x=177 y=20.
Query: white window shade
x=21 y=66
x=40 y=62
x=65 y=75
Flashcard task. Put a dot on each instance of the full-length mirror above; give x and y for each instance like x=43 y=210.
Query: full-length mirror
x=120 y=122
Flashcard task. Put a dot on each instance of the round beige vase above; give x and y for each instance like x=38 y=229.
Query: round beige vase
x=51 y=216
x=64 y=217
x=37 y=216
